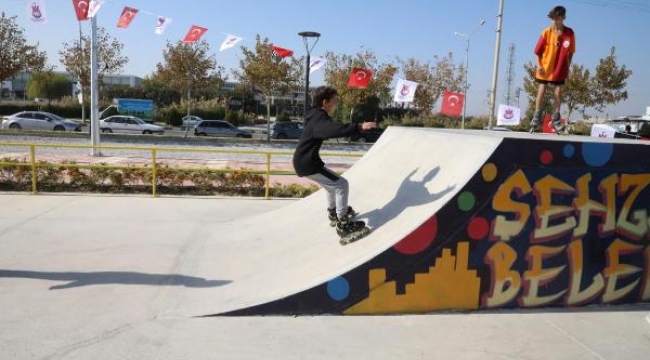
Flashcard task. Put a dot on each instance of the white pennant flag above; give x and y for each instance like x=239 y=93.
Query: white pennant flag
x=36 y=10
x=94 y=7
x=508 y=115
x=405 y=91
x=161 y=24
x=316 y=63
x=230 y=41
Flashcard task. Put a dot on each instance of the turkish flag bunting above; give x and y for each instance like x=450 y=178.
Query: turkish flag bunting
x=81 y=8
x=282 y=52
x=452 y=103
x=360 y=78
x=194 y=34
x=127 y=16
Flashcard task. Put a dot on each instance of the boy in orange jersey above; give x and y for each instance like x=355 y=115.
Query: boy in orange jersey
x=554 y=52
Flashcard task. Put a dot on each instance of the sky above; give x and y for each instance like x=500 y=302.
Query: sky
x=418 y=29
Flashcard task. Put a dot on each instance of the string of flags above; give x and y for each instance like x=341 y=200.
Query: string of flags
x=452 y=102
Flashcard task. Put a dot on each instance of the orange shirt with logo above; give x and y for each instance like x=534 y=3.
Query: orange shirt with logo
x=555 y=53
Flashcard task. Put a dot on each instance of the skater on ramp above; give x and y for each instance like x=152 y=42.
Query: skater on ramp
x=554 y=51
x=320 y=126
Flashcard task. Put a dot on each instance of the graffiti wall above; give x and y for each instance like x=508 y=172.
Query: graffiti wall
x=543 y=223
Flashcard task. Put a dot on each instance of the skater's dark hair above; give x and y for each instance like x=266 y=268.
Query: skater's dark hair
x=558 y=11
x=323 y=93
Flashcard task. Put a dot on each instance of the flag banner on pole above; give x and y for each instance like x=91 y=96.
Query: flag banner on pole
x=508 y=115
x=94 y=7
x=452 y=103
x=81 y=9
x=603 y=131
x=405 y=91
x=230 y=41
x=194 y=34
x=316 y=63
x=282 y=52
x=127 y=16
x=36 y=11
x=360 y=78
x=161 y=24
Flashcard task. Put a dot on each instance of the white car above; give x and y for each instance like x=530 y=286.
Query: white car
x=39 y=120
x=128 y=124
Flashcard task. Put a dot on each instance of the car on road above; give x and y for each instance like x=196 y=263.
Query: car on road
x=367 y=136
x=286 y=130
x=128 y=124
x=39 y=120
x=219 y=128
x=190 y=121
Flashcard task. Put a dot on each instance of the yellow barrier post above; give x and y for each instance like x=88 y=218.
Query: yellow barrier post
x=268 y=176
x=32 y=156
x=153 y=171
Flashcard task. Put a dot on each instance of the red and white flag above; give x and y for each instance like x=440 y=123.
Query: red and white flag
x=405 y=91
x=128 y=13
x=194 y=34
x=316 y=63
x=452 y=103
x=36 y=11
x=282 y=52
x=161 y=24
x=94 y=7
x=81 y=9
x=230 y=41
x=360 y=78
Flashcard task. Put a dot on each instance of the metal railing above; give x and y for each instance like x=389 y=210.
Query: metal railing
x=34 y=165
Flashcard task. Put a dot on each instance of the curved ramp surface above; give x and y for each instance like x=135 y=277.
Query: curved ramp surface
x=461 y=220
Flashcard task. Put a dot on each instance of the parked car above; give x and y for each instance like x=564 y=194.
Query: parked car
x=190 y=121
x=39 y=120
x=219 y=128
x=286 y=130
x=367 y=136
x=128 y=124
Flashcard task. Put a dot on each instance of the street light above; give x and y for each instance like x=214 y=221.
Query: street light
x=306 y=35
x=467 y=37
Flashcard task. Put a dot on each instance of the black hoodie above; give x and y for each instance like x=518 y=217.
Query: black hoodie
x=319 y=126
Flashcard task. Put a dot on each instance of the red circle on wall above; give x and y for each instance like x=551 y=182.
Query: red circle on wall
x=419 y=239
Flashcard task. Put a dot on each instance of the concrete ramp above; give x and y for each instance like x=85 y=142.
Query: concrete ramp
x=461 y=220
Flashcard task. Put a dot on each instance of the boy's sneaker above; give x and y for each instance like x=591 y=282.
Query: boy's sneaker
x=345 y=228
x=557 y=123
x=331 y=215
x=536 y=121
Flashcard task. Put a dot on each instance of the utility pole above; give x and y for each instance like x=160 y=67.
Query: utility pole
x=510 y=73
x=495 y=69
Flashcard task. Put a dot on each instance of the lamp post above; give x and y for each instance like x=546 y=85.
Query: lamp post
x=306 y=35
x=467 y=37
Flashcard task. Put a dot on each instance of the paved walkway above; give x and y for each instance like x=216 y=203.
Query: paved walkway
x=93 y=277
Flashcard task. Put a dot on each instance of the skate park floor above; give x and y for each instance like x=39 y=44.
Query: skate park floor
x=91 y=277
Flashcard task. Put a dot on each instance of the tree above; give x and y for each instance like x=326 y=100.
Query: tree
x=75 y=57
x=337 y=75
x=576 y=92
x=583 y=90
x=267 y=72
x=189 y=68
x=16 y=55
x=49 y=85
x=609 y=82
x=433 y=80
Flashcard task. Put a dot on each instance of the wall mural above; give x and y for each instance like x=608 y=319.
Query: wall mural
x=543 y=223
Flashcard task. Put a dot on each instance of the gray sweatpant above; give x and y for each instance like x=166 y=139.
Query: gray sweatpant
x=337 y=189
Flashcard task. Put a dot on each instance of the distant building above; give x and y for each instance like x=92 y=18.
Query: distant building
x=15 y=88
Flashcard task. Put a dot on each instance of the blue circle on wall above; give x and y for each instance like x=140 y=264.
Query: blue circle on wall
x=338 y=289
x=569 y=150
x=597 y=154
